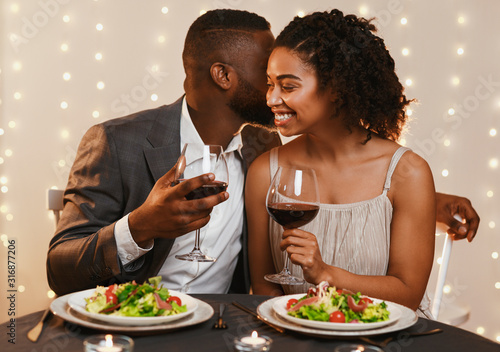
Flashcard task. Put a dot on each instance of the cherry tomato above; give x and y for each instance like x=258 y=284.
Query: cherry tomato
x=337 y=317
x=110 y=296
x=365 y=299
x=174 y=299
x=290 y=303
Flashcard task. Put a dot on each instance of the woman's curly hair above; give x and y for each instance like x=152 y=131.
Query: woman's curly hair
x=355 y=63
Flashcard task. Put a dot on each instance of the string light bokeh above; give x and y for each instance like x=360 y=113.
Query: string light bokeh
x=67 y=65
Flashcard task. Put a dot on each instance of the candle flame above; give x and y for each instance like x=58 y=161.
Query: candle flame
x=254 y=334
x=109 y=340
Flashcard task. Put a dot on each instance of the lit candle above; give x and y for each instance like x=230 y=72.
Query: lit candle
x=254 y=343
x=356 y=348
x=253 y=340
x=108 y=345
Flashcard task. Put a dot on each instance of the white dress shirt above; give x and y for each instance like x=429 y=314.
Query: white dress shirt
x=220 y=239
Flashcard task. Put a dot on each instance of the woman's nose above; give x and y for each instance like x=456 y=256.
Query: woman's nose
x=274 y=98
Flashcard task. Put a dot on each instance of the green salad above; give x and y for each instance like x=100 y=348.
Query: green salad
x=325 y=303
x=133 y=300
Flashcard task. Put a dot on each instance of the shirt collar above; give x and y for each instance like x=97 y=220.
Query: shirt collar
x=189 y=134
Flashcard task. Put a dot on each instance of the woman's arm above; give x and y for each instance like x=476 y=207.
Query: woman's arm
x=259 y=250
x=413 y=228
x=412 y=242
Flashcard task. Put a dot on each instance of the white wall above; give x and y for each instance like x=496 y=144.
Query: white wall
x=38 y=138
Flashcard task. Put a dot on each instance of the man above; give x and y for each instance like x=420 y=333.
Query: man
x=123 y=220
x=121 y=213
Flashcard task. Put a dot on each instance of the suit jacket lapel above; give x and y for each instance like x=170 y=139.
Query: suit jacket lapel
x=165 y=142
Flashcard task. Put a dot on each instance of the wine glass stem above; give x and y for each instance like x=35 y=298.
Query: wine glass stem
x=197 y=241
x=285 y=270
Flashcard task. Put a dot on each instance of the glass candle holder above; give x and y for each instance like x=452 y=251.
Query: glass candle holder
x=356 y=348
x=108 y=343
x=252 y=343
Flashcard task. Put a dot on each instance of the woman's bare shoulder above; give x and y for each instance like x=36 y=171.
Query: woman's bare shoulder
x=259 y=168
x=412 y=172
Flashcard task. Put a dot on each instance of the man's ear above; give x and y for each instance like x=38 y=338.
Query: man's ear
x=223 y=75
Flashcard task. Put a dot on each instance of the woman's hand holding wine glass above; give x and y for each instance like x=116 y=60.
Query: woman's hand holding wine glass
x=292 y=201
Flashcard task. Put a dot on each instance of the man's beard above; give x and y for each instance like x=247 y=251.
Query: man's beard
x=250 y=104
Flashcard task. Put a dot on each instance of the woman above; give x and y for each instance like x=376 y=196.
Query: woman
x=332 y=82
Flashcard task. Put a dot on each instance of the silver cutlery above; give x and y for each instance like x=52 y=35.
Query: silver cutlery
x=264 y=320
x=221 y=324
x=35 y=332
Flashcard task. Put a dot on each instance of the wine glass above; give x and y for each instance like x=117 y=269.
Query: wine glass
x=195 y=160
x=292 y=201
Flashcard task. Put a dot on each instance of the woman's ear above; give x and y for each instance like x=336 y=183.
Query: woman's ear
x=334 y=96
x=223 y=75
x=336 y=100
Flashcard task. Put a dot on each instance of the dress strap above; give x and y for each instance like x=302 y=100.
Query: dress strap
x=273 y=162
x=392 y=166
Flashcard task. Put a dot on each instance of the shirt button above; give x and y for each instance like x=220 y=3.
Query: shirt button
x=129 y=257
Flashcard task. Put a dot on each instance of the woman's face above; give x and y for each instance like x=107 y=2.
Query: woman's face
x=293 y=94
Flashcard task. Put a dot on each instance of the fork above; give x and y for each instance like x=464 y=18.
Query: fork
x=35 y=332
x=221 y=324
x=385 y=342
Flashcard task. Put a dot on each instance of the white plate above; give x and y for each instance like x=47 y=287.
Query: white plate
x=265 y=310
x=77 y=302
x=61 y=308
x=280 y=307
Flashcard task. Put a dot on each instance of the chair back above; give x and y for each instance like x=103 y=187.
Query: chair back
x=451 y=313
x=55 y=202
x=443 y=269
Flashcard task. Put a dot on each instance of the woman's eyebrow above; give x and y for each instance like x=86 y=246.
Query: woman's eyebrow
x=287 y=75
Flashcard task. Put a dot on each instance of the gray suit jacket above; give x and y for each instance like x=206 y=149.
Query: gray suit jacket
x=116 y=166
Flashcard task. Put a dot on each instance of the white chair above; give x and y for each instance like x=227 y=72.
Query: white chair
x=453 y=313
x=55 y=202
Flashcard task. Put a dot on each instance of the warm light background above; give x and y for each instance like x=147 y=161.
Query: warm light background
x=62 y=73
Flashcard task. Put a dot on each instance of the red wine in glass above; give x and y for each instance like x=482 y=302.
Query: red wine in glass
x=207 y=190
x=292 y=201
x=195 y=160
x=292 y=215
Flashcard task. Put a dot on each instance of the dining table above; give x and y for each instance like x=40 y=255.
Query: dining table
x=66 y=331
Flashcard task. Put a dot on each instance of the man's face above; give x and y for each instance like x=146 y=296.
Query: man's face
x=249 y=98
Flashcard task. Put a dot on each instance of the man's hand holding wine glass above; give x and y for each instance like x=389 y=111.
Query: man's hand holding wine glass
x=167 y=213
x=198 y=160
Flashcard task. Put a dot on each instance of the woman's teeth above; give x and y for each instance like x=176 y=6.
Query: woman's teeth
x=283 y=117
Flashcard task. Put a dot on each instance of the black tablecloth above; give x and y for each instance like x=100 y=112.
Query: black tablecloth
x=62 y=336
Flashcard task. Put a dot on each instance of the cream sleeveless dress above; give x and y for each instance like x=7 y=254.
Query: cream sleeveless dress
x=354 y=237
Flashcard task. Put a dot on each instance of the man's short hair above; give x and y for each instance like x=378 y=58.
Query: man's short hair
x=220 y=33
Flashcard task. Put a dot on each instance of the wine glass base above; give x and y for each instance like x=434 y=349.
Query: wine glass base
x=196 y=257
x=284 y=279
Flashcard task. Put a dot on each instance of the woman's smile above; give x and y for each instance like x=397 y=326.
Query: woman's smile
x=281 y=118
